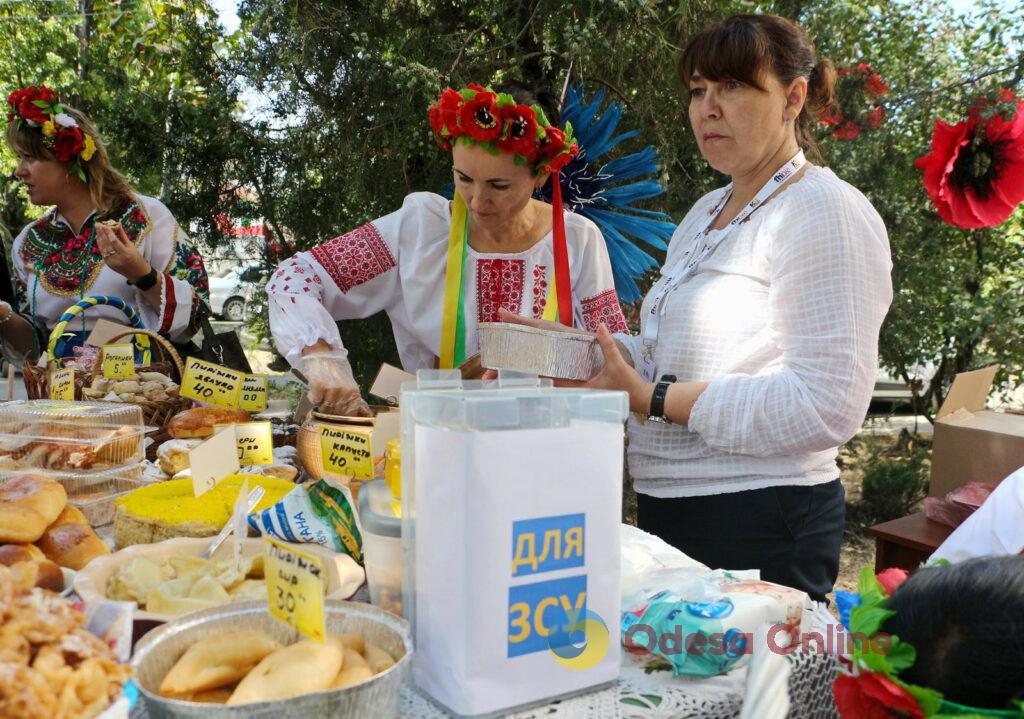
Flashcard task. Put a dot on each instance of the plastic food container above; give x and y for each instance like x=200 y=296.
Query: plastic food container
x=82 y=413
x=96 y=496
x=380 y=517
x=565 y=354
x=69 y=445
x=376 y=697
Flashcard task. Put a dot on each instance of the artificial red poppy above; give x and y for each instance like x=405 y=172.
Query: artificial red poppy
x=875 y=117
x=519 y=133
x=479 y=118
x=875 y=85
x=873 y=696
x=974 y=173
x=891 y=578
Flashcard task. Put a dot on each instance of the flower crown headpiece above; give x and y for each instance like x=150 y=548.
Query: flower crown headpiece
x=868 y=684
x=498 y=123
x=40 y=108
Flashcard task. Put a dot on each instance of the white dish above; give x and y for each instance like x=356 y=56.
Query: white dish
x=344 y=575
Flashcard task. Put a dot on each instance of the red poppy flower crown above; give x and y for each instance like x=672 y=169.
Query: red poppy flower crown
x=495 y=121
x=868 y=685
x=39 y=108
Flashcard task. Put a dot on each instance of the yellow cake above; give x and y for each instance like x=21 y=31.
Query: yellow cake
x=170 y=509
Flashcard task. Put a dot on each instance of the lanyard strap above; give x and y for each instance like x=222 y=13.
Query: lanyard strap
x=558 y=305
x=691 y=259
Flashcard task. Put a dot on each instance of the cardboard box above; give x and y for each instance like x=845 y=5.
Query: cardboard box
x=972 y=443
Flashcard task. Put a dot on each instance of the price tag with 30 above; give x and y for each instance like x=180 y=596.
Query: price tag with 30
x=295 y=590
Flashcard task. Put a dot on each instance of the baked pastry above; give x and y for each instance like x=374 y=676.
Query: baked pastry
x=28 y=504
x=171 y=509
x=70 y=541
x=173 y=454
x=200 y=422
x=302 y=668
x=48 y=574
x=354 y=669
x=217 y=661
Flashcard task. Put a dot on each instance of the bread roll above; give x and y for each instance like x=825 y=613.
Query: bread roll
x=199 y=422
x=48 y=574
x=173 y=454
x=302 y=668
x=213 y=696
x=72 y=544
x=216 y=662
x=28 y=504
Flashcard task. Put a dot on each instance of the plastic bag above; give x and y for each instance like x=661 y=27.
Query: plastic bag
x=322 y=514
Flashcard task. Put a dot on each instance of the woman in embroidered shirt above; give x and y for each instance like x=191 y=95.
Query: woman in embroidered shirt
x=101 y=237
x=439 y=267
x=763 y=328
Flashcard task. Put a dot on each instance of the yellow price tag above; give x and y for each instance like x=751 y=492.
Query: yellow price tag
x=295 y=590
x=347 y=451
x=255 y=443
x=211 y=383
x=254 y=393
x=119 y=361
x=62 y=385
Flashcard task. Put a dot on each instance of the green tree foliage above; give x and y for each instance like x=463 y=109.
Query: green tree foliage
x=336 y=135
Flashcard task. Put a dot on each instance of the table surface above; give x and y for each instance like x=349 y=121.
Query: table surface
x=915 y=530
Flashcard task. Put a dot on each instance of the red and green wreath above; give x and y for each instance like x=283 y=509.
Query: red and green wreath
x=858 y=107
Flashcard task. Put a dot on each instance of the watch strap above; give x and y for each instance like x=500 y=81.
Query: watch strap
x=657 y=411
x=147 y=281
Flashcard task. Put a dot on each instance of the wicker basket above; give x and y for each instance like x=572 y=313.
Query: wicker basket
x=168 y=362
x=37 y=379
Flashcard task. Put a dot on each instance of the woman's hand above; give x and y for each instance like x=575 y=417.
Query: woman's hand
x=618 y=374
x=119 y=253
x=332 y=388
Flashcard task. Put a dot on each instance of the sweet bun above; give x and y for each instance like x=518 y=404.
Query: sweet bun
x=28 y=505
x=199 y=422
x=72 y=544
x=48 y=574
x=302 y=668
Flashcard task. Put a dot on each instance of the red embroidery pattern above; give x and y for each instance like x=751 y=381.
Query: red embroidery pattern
x=540 y=289
x=292 y=278
x=355 y=258
x=604 y=307
x=499 y=283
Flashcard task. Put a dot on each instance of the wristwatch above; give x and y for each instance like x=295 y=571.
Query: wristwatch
x=147 y=281
x=657 y=410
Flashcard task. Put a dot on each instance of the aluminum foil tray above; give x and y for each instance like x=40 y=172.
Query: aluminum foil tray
x=157 y=652
x=567 y=354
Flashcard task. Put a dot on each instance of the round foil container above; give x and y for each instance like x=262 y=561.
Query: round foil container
x=376 y=697
x=566 y=354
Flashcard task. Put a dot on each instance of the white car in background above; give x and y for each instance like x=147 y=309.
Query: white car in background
x=229 y=296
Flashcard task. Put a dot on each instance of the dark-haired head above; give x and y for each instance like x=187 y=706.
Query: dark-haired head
x=749 y=48
x=525 y=94
x=966 y=622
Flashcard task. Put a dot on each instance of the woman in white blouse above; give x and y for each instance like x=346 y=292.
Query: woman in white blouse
x=100 y=238
x=758 y=345
x=438 y=267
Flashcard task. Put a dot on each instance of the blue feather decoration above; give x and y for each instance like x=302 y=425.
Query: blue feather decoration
x=605 y=193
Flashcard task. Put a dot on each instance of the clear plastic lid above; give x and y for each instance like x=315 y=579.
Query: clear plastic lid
x=376 y=509
x=84 y=413
x=63 y=445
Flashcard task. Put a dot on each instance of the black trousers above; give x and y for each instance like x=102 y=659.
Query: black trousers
x=792 y=534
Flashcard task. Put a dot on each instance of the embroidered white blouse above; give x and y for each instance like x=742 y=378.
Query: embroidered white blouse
x=782 y=319
x=48 y=284
x=397 y=264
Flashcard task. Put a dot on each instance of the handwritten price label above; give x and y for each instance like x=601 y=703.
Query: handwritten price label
x=62 y=385
x=294 y=588
x=255 y=443
x=254 y=393
x=211 y=383
x=347 y=451
x=119 y=361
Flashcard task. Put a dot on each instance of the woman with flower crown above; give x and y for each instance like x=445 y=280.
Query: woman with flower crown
x=100 y=238
x=439 y=267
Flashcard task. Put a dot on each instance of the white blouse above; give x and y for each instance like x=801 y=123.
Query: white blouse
x=49 y=287
x=782 y=319
x=397 y=264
